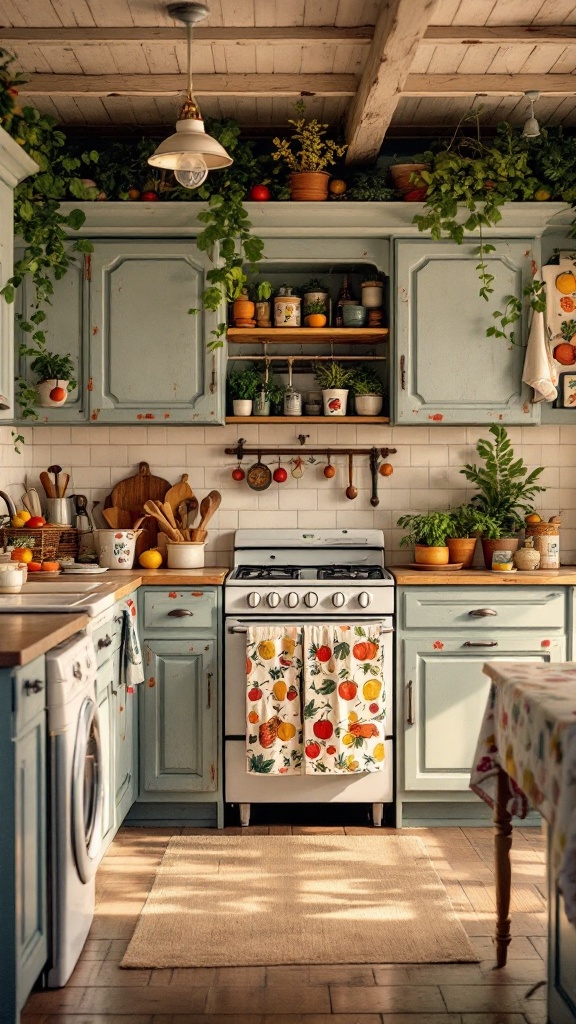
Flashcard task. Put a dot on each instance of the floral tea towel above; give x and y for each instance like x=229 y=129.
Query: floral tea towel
x=344 y=702
x=273 y=700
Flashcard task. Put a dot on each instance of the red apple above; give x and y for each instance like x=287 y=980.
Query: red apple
x=35 y=522
x=259 y=194
x=238 y=474
x=149 y=197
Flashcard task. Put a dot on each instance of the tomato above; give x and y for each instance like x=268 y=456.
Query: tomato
x=324 y=653
x=313 y=750
x=58 y=394
x=259 y=194
x=347 y=690
x=255 y=693
x=567 y=304
x=292 y=693
x=323 y=729
x=564 y=353
x=35 y=522
x=149 y=197
x=330 y=750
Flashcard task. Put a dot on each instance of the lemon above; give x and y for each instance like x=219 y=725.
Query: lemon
x=267 y=650
x=17 y=521
x=352 y=716
x=286 y=731
x=347 y=739
x=371 y=689
x=378 y=752
x=150 y=559
x=24 y=514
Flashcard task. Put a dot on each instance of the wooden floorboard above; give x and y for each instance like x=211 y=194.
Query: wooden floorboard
x=99 y=992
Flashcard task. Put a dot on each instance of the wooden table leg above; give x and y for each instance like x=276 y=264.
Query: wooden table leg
x=502 y=845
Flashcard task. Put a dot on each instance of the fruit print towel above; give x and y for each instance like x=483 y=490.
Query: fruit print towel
x=273 y=700
x=314 y=697
x=344 y=699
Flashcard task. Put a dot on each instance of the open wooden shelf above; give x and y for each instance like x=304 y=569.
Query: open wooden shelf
x=308 y=335
x=308 y=419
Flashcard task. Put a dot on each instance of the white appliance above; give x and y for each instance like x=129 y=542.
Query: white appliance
x=76 y=796
x=295 y=577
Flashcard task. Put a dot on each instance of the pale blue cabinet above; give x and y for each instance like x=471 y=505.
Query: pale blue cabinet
x=180 y=708
x=23 y=840
x=149 y=358
x=124 y=720
x=445 y=368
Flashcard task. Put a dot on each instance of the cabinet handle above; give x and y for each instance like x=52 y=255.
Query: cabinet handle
x=179 y=613
x=105 y=641
x=209 y=678
x=480 y=643
x=480 y=613
x=409 y=693
x=36 y=686
x=403 y=372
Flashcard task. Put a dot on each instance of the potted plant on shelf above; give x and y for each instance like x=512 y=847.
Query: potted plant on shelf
x=372 y=288
x=269 y=398
x=243 y=386
x=506 y=489
x=315 y=291
x=306 y=155
x=263 y=291
x=367 y=389
x=427 y=533
x=315 y=313
x=54 y=382
x=467 y=524
x=333 y=378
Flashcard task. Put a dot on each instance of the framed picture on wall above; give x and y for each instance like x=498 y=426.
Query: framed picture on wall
x=567 y=391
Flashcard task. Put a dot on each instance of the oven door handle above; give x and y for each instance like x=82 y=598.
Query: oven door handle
x=244 y=629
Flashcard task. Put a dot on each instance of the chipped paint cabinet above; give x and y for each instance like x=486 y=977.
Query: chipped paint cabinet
x=179 y=732
x=447 y=370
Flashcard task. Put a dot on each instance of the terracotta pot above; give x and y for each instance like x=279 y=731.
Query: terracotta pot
x=309 y=186
x=462 y=550
x=504 y=544
x=401 y=174
x=425 y=555
x=243 y=309
x=315 y=320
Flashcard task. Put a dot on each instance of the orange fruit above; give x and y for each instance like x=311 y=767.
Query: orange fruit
x=286 y=731
x=533 y=518
x=386 y=469
x=21 y=555
x=542 y=194
x=337 y=187
x=150 y=559
x=253 y=717
x=566 y=283
x=50 y=566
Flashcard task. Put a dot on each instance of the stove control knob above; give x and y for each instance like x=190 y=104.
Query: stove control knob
x=364 y=599
x=291 y=599
x=254 y=599
x=311 y=599
x=338 y=599
x=273 y=599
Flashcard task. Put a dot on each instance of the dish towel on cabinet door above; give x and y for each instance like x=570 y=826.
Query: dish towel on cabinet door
x=539 y=369
x=131 y=665
x=336 y=673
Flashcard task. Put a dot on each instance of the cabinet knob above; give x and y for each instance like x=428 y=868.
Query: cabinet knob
x=480 y=613
x=33 y=686
x=180 y=613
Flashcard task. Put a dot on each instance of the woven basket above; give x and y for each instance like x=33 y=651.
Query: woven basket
x=68 y=544
x=44 y=541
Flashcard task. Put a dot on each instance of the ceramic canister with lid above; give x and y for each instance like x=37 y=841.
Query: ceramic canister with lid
x=287 y=310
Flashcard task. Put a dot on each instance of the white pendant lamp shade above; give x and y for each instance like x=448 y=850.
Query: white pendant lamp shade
x=190 y=152
x=531 y=129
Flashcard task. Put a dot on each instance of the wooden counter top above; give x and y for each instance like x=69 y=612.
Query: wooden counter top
x=24 y=637
x=405 y=577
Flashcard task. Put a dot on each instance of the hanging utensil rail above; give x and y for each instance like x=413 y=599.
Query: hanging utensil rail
x=240 y=451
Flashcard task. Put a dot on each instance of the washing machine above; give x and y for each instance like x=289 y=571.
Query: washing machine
x=76 y=800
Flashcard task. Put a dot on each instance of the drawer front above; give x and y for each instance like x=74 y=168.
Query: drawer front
x=482 y=608
x=107 y=638
x=189 y=611
x=29 y=684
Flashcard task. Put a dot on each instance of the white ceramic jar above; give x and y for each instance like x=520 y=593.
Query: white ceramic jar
x=12 y=577
x=185 y=554
x=287 y=311
x=116 y=548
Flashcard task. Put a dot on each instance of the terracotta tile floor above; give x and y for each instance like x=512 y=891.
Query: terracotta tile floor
x=100 y=993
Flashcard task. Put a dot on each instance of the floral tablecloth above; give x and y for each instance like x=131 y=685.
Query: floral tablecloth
x=529 y=730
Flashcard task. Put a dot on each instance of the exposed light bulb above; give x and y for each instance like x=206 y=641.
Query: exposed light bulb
x=191 y=170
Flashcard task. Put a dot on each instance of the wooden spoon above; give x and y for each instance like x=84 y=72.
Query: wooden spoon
x=187 y=510
x=208 y=506
x=117 y=518
x=47 y=485
x=165 y=526
x=64 y=481
x=351 y=491
x=56 y=470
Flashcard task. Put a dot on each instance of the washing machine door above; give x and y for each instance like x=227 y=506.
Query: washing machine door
x=87 y=791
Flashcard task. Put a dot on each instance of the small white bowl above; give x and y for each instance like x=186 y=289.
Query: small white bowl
x=185 y=554
x=12 y=577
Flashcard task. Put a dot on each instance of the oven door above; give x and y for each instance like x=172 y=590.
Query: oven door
x=235 y=667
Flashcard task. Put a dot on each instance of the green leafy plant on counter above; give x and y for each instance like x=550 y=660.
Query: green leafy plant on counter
x=430 y=528
x=365 y=381
x=506 y=487
x=332 y=375
x=245 y=383
x=468 y=521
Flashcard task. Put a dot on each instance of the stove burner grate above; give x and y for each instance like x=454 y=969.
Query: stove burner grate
x=268 y=572
x=350 y=572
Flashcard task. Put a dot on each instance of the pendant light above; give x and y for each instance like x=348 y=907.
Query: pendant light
x=190 y=152
x=531 y=129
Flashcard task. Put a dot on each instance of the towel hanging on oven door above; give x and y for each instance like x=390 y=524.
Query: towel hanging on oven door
x=331 y=677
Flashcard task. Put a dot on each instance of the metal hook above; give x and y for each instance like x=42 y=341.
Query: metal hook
x=303 y=438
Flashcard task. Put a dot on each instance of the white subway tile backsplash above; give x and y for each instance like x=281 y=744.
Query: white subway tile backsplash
x=99 y=434
x=297 y=498
x=157 y=455
x=115 y=456
x=546 y=435
x=128 y=435
x=429 y=455
x=72 y=454
x=272 y=520
x=311 y=520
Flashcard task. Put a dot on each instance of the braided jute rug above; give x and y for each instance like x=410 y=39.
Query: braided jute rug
x=231 y=901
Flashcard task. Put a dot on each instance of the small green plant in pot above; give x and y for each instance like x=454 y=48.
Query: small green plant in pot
x=263 y=293
x=243 y=386
x=54 y=381
x=334 y=379
x=468 y=523
x=506 y=490
x=367 y=389
x=315 y=313
x=427 y=533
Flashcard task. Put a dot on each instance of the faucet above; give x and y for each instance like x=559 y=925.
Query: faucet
x=9 y=504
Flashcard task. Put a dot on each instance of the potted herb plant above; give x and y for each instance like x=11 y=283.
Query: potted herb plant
x=367 y=389
x=333 y=378
x=315 y=313
x=467 y=524
x=427 y=533
x=263 y=292
x=306 y=155
x=243 y=386
x=54 y=381
x=372 y=288
x=315 y=291
x=506 y=489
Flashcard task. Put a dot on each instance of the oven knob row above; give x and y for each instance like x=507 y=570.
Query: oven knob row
x=273 y=599
x=291 y=599
x=364 y=599
x=254 y=599
x=338 y=599
x=311 y=599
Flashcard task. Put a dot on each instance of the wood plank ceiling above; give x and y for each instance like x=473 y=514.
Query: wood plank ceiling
x=374 y=65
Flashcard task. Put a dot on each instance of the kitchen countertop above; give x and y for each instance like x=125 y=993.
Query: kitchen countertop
x=25 y=636
x=564 y=576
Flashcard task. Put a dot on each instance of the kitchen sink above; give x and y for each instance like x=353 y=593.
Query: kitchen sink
x=59 y=587
x=52 y=597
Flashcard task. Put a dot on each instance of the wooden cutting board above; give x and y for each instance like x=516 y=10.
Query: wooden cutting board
x=132 y=493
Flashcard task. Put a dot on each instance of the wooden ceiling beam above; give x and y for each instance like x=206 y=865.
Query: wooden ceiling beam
x=489 y=85
x=309 y=35
x=500 y=35
x=397 y=34
x=204 y=85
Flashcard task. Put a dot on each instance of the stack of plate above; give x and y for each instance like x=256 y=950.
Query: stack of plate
x=85 y=569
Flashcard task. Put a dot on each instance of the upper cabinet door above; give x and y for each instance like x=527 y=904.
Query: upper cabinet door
x=149 y=357
x=446 y=369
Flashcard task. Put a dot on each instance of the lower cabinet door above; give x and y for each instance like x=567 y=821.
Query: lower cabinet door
x=31 y=855
x=123 y=722
x=179 y=734
x=444 y=699
x=105 y=687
